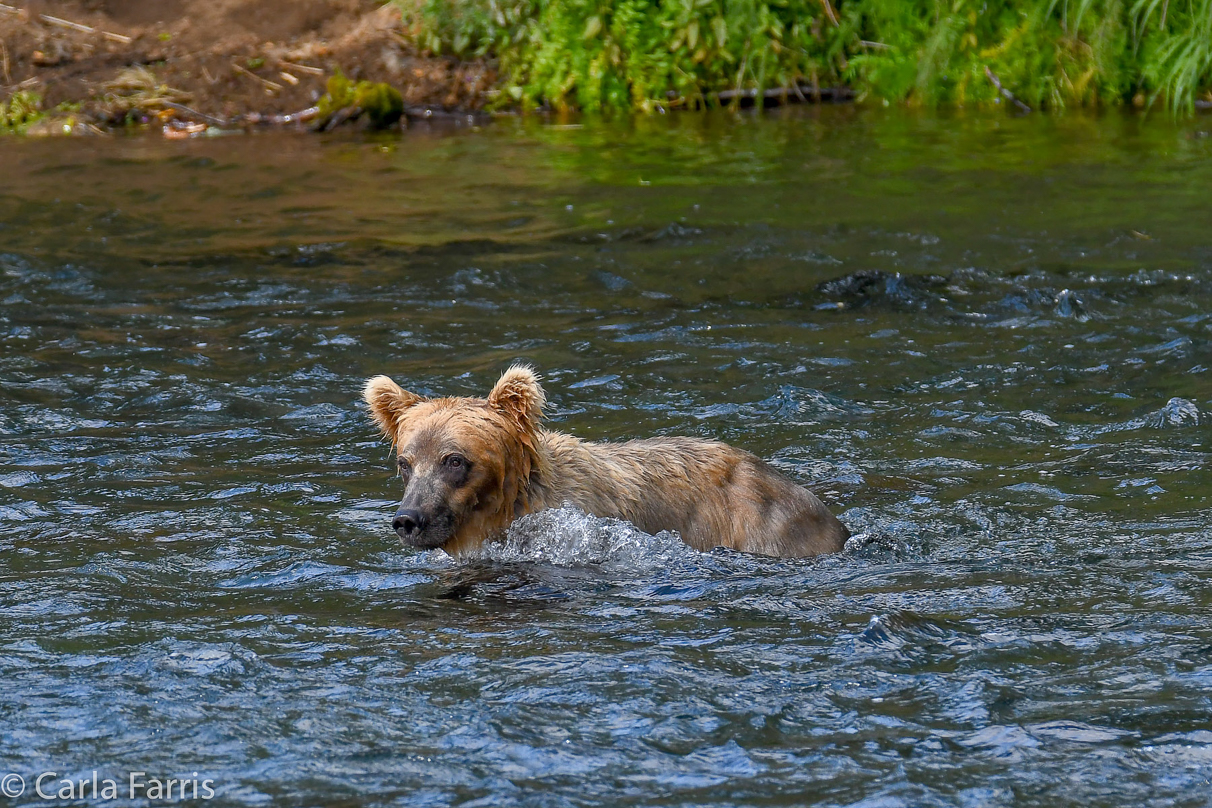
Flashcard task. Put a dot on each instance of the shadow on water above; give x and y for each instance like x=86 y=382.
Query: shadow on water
x=983 y=341
x=511 y=586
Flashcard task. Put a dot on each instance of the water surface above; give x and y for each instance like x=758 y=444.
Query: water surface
x=983 y=341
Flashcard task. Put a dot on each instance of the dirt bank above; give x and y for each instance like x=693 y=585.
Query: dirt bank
x=224 y=58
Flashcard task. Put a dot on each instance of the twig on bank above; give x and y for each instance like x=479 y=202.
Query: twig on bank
x=830 y=13
x=174 y=130
x=340 y=116
x=8 y=78
x=1009 y=96
x=75 y=26
x=315 y=71
x=211 y=119
x=62 y=23
x=302 y=116
x=268 y=84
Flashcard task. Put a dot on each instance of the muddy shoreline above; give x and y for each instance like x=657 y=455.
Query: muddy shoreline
x=185 y=65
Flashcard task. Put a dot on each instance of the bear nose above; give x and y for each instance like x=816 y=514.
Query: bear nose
x=408 y=522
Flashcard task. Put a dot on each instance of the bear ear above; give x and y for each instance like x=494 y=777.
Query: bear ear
x=388 y=403
x=519 y=397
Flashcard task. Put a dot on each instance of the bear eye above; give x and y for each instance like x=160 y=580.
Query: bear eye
x=404 y=466
x=455 y=461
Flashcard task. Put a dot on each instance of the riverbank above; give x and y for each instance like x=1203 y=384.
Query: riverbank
x=189 y=68
x=99 y=64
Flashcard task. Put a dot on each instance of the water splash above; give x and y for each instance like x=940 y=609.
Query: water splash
x=1177 y=412
x=569 y=537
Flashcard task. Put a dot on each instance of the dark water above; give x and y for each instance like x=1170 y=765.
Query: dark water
x=984 y=342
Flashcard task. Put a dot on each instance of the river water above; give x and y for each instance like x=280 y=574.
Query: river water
x=984 y=341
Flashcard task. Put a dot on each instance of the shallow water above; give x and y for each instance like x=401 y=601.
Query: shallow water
x=983 y=341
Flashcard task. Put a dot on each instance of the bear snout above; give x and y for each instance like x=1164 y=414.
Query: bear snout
x=409 y=523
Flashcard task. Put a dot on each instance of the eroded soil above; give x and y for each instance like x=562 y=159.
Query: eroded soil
x=224 y=58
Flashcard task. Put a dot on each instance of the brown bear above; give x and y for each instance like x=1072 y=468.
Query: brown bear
x=471 y=466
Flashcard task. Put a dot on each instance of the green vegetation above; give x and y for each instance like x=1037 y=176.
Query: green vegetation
x=23 y=114
x=652 y=54
x=20 y=111
x=598 y=54
x=381 y=103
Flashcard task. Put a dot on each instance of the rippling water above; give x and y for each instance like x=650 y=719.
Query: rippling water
x=983 y=341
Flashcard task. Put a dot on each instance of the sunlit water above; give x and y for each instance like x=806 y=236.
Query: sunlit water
x=984 y=341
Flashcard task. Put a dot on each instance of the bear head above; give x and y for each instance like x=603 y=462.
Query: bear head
x=469 y=465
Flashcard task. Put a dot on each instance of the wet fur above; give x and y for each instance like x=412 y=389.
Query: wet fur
x=709 y=492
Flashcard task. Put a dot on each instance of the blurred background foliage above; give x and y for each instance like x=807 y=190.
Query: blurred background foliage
x=600 y=55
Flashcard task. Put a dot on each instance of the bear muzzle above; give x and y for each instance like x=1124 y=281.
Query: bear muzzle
x=409 y=523
x=425 y=531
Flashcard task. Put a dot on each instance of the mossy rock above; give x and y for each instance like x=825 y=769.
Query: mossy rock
x=380 y=103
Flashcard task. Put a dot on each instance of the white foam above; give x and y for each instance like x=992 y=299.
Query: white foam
x=569 y=537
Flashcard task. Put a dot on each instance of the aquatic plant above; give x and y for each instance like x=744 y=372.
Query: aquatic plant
x=651 y=54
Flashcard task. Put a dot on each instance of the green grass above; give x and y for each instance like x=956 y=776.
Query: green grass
x=648 y=55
